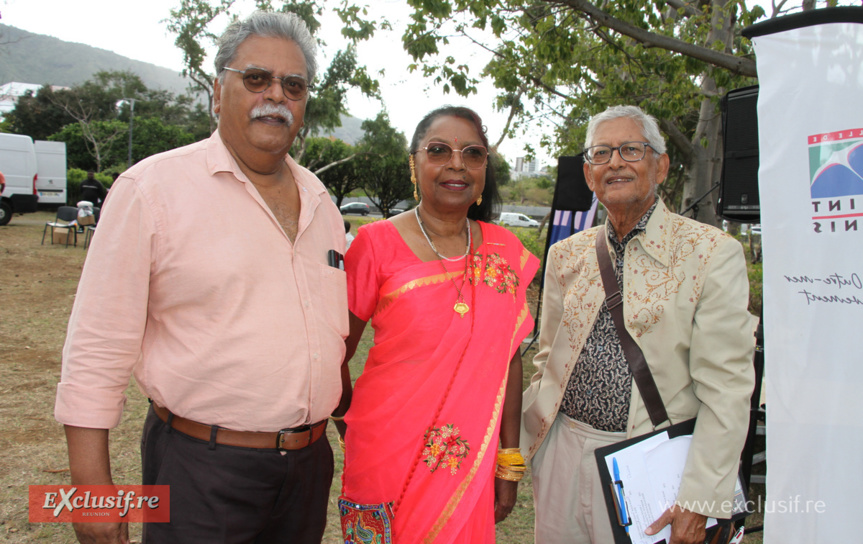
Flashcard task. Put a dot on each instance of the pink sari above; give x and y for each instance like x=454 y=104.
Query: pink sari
x=424 y=352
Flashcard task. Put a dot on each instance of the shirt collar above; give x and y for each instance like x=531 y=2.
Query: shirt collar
x=639 y=227
x=219 y=159
x=312 y=191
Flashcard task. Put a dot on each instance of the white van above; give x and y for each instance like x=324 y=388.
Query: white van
x=508 y=219
x=18 y=165
x=51 y=172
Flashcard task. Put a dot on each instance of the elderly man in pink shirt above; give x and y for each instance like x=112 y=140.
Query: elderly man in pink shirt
x=214 y=279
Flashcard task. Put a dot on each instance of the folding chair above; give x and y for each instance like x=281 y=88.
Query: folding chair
x=90 y=230
x=66 y=214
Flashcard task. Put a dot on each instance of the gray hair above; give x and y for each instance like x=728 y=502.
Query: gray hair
x=272 y=25
x=649 y=125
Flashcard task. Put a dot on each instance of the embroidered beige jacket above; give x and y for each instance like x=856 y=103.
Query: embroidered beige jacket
x=686 y=294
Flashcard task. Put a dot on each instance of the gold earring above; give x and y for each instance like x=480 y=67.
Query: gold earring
x=413 y=176
x=479 y=200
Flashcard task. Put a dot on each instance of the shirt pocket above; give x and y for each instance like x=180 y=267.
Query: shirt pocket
x=333 y=299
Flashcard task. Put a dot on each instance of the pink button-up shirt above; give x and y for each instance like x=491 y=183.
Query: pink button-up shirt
x=192 y=285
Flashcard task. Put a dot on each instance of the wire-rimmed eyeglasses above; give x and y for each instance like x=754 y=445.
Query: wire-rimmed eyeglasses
x=257 y=80
x=473 y=156
x=628 y=151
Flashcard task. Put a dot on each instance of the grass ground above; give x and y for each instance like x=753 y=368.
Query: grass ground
x=37 y=288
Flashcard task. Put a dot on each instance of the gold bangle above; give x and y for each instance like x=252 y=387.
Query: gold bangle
x=511 y=457
x=337 y=418
x=509 y=450
x=506 y=473
x=341 y=443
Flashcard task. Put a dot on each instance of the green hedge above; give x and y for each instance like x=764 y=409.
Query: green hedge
x=74 y=178
x=756 y=276
x=533 y=240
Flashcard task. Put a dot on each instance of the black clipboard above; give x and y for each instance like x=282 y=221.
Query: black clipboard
x=608 y=483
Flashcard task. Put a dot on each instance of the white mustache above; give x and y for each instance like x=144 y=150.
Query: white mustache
x=273 y=109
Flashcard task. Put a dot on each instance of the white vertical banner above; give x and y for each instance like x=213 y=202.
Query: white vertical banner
x=810 y=123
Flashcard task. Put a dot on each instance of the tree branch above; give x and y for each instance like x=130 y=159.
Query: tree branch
x=334 y=163
x=735 y=64
x=513 y=110
x=687 y=8
x=677 y=138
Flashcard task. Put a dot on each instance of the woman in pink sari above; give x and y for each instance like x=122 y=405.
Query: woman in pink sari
x=440 y=393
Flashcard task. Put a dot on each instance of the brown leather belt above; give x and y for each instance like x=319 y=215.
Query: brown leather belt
x=286 y=439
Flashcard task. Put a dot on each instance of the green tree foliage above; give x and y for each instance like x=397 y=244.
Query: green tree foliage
x=565 y=60
x=328 y=102
x=529 y=191
x=332 y=161
x=150 y=136
x=383 y=165
x=190 y=23
x=90 y=144
x=93 y=120
x=501 y=168
x=37 y=115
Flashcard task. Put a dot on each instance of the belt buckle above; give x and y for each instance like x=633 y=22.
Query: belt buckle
x=281 y=437
x=613 y=300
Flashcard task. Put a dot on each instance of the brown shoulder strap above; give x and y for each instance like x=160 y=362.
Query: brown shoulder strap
x=634 y=356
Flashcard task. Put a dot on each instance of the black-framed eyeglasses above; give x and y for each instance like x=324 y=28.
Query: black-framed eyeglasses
x=258 y=81
x=473 y=156
x=628 y=151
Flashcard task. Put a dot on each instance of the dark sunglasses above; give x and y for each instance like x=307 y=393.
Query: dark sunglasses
x=258 y=81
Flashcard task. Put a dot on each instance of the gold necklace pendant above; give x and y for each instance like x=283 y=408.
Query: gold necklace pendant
x=460 y=307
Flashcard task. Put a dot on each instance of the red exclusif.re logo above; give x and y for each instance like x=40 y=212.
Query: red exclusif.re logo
x=100 y=503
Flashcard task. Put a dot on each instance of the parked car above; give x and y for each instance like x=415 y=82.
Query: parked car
x=396 y=211
x=359 y=208
x=517 y=220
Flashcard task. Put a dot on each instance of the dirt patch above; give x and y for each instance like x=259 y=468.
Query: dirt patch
x=37 y=288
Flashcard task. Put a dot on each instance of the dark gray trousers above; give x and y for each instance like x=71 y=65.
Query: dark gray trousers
x=225 y=494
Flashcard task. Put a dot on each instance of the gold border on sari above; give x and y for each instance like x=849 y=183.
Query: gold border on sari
x=392 y=296
x=453 y=502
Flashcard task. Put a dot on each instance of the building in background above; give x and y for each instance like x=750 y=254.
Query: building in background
x=10 y=92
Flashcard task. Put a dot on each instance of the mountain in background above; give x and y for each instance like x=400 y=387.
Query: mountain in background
x=35 y=58
x=350 y=132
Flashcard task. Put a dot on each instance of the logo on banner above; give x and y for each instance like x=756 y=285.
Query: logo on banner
x=836 y=180
x=100 y=503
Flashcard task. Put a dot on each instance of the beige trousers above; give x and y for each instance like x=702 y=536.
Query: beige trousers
x=567 y=494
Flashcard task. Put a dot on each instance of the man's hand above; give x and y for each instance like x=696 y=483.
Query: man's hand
x=687 y=527
x=505 y=493
x=90 y=464
x=102 y=533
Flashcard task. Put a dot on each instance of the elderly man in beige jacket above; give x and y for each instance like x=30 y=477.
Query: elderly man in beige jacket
x=685 y=297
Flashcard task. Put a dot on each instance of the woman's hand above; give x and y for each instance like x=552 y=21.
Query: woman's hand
x=505 y=494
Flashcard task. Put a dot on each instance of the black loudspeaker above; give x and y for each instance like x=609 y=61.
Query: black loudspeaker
x=571 y=191
x=738 y=186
